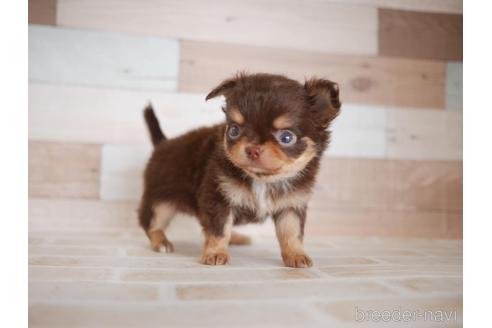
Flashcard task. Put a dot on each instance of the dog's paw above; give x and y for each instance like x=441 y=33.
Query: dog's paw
x=168 y=246
x=297 y=260
x=217 y=258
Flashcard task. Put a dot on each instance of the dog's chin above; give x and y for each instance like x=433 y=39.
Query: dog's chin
x=257 y=171
x=260 y=171
x=267 y=175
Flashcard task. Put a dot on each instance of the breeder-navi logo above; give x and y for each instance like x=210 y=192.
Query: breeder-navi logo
x=400 y=314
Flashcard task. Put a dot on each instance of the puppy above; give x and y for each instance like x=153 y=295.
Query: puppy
x=262 y=161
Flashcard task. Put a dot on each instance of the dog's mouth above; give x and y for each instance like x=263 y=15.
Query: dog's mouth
x=253 y=167
x=261 y=171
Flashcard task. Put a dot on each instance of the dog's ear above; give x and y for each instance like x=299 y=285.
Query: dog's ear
x=222 y=89
x=324 y=100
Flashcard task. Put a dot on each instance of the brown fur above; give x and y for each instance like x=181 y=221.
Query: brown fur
x=206 y=172
x=239 y=239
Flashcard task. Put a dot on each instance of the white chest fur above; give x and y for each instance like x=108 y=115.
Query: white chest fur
x=260 y=193
x=258 y=197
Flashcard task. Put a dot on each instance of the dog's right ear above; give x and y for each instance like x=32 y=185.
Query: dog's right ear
x=222 y=89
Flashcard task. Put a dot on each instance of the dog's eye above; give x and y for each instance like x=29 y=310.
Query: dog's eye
x=286 y=137
x=234 y=131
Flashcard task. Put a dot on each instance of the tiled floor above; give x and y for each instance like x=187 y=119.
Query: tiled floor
x=93 y=267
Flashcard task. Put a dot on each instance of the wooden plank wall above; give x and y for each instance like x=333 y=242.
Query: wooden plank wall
x=395 y=163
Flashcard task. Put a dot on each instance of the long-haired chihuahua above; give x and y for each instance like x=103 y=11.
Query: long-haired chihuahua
x=262 y=161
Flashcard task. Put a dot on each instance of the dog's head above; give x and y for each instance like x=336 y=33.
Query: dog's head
x=275 y=125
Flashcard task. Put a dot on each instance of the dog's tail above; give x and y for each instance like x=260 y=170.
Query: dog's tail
x=155 y=131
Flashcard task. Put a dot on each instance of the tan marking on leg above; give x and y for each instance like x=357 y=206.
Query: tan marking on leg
x=239 y=239
x=163 y=214
x=288 y=228
x=215 y=251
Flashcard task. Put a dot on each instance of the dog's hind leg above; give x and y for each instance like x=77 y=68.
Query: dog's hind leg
x=239 y=239
x=163 y=213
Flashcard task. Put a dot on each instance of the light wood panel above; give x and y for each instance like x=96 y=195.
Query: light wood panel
x=428 y=135
x=420 y=35
x=82 y=114
x=80 y=214
x=113 y=116
x=102 y=59
x=438 y=6
x=62 y=113
x=42 y=12
x=316 y=25
x=122 y=171
x=360 y=131
x=367 y=80
x=64 y=170
x=454 y=87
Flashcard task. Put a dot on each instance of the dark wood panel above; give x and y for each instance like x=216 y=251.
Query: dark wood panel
x=42 y=12
x=368 y=80
x=420 y=35
x=390 y=223
x=403 y=185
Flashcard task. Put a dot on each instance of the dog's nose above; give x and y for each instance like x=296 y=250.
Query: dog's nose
x=253 y=152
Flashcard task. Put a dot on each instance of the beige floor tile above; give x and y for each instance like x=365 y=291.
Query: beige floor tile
x=365 y=242
x=164 y=261
x=223 y=274
x=421 y=260
x=281 y=290
x=90 y=264
x=342 y=260
x=169 y=315
x=364 y=252
x=46 y=273
x=393 y=270
x=97 y=291
x=72 y=251
x=80 y=240
x=425 y=285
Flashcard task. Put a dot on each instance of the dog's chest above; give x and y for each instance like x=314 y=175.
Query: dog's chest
x=261 y=199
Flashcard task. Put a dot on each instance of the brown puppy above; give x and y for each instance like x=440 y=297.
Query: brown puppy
x=261 y=162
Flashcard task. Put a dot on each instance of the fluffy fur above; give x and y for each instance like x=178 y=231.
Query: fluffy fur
x=240 y=171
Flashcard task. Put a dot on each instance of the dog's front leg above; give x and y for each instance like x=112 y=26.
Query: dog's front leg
x=289 y=225
x=216 y=242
